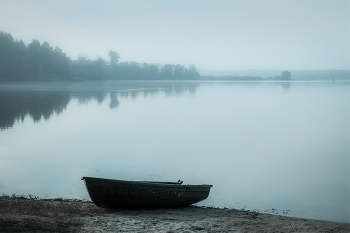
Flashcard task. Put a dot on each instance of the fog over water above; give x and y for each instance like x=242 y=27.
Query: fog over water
x=262 y=145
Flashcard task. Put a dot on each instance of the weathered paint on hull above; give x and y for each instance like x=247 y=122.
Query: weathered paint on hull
x=108 y=193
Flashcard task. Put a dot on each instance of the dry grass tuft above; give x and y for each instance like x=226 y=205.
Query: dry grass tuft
x=19 y=213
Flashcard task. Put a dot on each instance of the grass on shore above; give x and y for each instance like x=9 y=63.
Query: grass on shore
x=19 y=213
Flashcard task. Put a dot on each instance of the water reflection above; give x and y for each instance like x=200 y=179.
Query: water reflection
x=284 y=85
x=15 y=106
x=43 y=100
x=114 y=100
x=85 y=98
x=260 y=147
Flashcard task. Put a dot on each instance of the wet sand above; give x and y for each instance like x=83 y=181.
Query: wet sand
x=195 y=219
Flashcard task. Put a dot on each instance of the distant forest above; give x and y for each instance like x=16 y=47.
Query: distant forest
x=40 y=62
x=37 y=61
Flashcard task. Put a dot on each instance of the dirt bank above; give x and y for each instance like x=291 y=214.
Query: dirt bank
x=194 y=219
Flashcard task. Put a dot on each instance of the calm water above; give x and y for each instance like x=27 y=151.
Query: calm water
x=273 y=147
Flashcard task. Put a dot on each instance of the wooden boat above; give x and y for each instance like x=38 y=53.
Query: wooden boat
x=109 y=193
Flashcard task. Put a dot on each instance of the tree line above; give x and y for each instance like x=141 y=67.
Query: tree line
x=34 y=61
x=131 y=70
x=39 y=61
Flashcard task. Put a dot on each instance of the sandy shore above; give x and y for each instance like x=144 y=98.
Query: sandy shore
x=193 y=219
x=30 y=214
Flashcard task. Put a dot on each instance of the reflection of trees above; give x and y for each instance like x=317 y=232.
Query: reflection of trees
x=150 y=92
x=18 y=102
x=134 y=94
x=15 y=105
x=179 y=88
x=84 y=97
x=114 y=100
x=151 y=88
x=284 y=85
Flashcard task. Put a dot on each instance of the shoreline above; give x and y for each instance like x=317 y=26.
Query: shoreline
x=197 y=219
x=77 y=80
x=21 y=213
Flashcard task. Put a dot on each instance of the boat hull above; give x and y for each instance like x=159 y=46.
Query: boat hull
x=108 y=193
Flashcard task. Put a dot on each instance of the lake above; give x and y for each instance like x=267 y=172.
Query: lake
x=272 y=147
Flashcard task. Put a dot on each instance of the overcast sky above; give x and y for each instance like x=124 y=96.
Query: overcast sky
x=211 y=34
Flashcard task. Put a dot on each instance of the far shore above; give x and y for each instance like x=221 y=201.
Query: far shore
x=202 y=79
x=19 y=213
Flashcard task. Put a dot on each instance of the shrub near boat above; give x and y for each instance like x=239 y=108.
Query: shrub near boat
x=108 y=193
